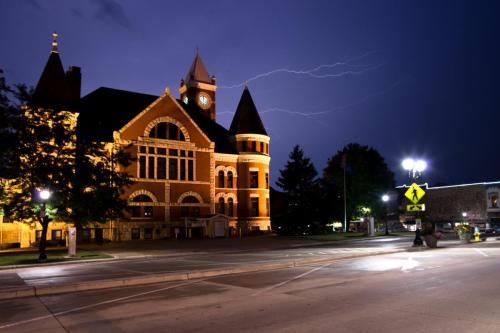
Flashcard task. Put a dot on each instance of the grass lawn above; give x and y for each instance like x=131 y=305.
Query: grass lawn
x=31 y=257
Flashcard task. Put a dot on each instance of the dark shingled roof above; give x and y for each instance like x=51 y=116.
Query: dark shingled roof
x=198 y=71
x=246 y=120
x=215 y=132
x=106 y=110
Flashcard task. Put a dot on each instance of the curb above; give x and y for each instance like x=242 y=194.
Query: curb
x=27 y=291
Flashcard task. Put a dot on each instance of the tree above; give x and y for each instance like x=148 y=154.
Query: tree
x=9 y=121
x=367 y=177
x=82 y=177
x=299 y=181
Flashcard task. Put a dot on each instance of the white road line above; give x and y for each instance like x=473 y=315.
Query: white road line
x=484 y=254
x=62 y=313
x=409 y=264
x=290 y=280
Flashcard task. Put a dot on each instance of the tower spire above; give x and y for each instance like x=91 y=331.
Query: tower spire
x=54 y=43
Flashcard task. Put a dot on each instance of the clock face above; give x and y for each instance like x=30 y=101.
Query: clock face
x=204 y=101
x=185 y=99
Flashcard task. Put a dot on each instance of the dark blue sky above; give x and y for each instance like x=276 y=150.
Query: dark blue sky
x=414 y=77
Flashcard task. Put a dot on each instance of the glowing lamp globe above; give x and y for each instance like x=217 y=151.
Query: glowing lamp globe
x=420 y=165
x=408 y=164
x=44 y=194
x=385 y=198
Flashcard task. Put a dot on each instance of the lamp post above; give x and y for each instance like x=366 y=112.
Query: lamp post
x=44 y=218
x=415 y=169
x=385 y=199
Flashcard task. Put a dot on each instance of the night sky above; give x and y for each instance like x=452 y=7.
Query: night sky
x=417 y=78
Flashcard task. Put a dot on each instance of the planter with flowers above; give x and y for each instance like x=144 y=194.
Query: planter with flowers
x=464 y=232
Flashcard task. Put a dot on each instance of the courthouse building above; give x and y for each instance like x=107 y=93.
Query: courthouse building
x=192 y=177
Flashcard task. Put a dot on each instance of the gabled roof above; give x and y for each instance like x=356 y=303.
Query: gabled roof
x=246 y=119
x=106 y=110
x=198 y=71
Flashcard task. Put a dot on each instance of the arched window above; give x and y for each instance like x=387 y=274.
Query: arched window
x=221 y=205
x=190 y=199
x=142 y=210
x=230 y=206
x=221 y=179
x=167 y=131
x=190 y=211
x=230 y=179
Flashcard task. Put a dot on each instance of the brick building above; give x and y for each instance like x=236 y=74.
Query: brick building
x=476 y=204
x=192 y=177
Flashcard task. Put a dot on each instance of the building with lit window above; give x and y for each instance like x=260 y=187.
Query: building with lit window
x=475 y=204
x=192 y=177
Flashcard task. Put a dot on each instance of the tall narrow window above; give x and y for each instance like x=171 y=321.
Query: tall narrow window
x=183 y=169
x=268 y=207
x=243 y=146
x=221 y=205
x=161 y=168
x=221 y=179
x=172 y=168
x=262 y=147
x=254 y=146
x=254 y=179
x=151 y=167
x=230 y=205
x=267 y=180
x=142 y=167
x=190 y=170
x=230 y=179
x=254 y=206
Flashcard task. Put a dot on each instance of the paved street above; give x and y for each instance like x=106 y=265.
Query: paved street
x=452 y=289
x=175 y=257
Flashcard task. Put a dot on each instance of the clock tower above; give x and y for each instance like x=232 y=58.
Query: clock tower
x=198 y=88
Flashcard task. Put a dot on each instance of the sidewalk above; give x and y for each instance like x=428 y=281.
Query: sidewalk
x=162 y=261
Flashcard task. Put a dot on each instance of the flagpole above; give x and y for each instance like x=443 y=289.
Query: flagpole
x=345 y=202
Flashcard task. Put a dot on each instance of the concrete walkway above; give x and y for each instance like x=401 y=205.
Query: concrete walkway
x=137 y=263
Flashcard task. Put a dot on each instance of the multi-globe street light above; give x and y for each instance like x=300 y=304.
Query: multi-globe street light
x=385 y=199
x=414 y=167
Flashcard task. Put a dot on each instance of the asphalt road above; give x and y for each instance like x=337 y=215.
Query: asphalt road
x=193 y=256
x=442 y=290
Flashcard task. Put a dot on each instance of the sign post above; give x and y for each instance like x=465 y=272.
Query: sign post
x=415 y=194
x=72 y=242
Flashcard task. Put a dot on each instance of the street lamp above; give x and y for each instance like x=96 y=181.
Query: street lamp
x=415 y=169
x=44 y=218
x=385 y=199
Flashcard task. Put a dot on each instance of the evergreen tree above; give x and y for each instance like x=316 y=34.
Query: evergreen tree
x=298 y=179
x=367 y=178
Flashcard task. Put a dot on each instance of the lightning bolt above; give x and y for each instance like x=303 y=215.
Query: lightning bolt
x=313 y=71
x=337 y=108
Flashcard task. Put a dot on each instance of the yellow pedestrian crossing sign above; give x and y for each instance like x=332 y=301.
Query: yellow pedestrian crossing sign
x=415 y=208
x=414 y=193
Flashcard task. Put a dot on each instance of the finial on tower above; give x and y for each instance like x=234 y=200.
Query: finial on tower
x=54 y=42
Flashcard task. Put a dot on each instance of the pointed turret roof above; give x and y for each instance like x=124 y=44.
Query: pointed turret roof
x=246 y=120
x=198 y=71
x=50 y=89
